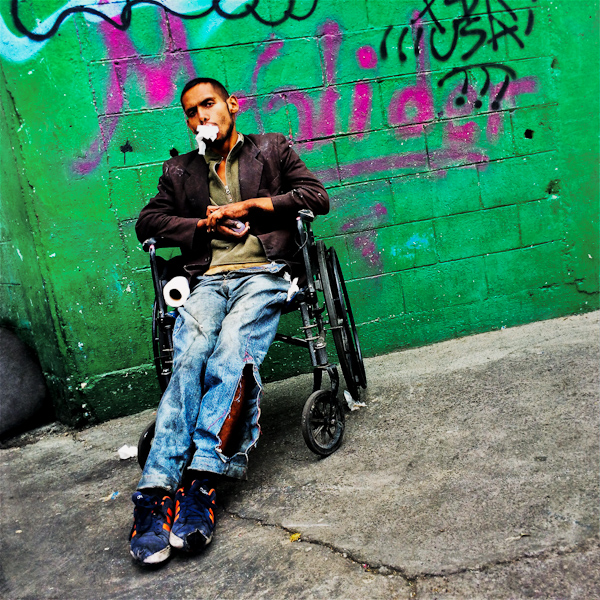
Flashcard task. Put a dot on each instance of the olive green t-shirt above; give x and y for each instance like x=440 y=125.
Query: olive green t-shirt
x=229 y=255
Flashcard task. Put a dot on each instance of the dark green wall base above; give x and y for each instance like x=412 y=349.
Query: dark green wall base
x=132 y=390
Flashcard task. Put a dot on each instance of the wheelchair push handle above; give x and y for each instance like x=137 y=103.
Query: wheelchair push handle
x=149 y=244
x=306 y=215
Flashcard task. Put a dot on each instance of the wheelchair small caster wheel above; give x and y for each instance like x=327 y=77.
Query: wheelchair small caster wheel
x=145 y=443
x=323 y=423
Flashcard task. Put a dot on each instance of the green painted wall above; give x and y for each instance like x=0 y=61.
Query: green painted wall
x=460 y=152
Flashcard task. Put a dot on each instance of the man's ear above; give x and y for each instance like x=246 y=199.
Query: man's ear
x=232 y=103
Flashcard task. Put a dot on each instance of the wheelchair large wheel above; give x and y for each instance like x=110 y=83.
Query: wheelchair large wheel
x=145 y=443
x=345 y=311
x=162 y=346
x=323 y=423
x=341 y=320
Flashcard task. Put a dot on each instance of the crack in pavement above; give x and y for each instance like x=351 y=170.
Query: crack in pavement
x=542 y=554
x=371 y=568
x=412 y=580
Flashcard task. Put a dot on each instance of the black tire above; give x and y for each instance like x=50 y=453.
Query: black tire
x=345 y=311
x=323 y=423
x=341 y=320
x=145 y=443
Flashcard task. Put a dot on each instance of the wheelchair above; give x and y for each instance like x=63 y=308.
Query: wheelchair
x=323 y=415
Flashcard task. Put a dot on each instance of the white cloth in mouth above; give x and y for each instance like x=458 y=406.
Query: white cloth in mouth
x=205 y=132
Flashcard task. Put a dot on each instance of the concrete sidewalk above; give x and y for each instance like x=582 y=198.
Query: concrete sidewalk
x=472 y=473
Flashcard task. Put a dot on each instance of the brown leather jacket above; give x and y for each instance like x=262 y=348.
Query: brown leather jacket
x=268 y=167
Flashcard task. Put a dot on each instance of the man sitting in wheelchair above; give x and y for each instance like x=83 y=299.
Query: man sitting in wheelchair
x=232 y=212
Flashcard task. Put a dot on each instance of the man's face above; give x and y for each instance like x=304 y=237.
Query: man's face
x=204 y=106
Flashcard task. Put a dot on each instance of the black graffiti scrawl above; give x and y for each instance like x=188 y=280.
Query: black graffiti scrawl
x=480 y=23
x=251 y=9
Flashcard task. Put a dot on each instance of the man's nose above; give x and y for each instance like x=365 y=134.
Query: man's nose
x=203 y=117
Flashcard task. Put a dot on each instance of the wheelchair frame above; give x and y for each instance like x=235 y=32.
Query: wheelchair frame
x=323 y=419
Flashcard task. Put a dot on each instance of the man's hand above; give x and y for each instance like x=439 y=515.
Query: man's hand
x=236 y=210
x=223 y=231
x=227 y=233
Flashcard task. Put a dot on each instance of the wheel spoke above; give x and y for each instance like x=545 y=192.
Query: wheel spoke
x=318 y=413
x=332 y=411
x=325 y=437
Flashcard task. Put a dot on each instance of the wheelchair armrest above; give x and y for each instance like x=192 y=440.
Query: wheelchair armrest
x=305 y=235
x=150 y=246
x=294 y=302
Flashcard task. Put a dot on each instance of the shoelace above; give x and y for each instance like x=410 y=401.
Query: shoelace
x=196 y=502
x=146 y=509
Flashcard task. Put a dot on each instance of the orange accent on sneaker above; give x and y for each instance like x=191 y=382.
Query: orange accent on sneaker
x=212 y=516
x=133 y=533
x=166 y=527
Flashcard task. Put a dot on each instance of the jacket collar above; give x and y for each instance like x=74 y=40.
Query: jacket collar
x=250 y=173
x=250 y=169
x=196 y=184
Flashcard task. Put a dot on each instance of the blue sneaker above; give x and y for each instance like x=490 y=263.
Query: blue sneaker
x=152 y=518
x=194 y=517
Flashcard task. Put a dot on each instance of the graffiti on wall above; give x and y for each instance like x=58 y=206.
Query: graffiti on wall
x=489 y=29
x=409 y=108
x=449 y=99
x=224 y=10
x=19 y=48
x=318 y=116
x=464 y=30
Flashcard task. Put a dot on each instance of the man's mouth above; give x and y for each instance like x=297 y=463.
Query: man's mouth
x=208 y=131
x=214 y=125
x=205 y=133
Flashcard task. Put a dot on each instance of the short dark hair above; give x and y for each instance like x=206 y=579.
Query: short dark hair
x=217 y=85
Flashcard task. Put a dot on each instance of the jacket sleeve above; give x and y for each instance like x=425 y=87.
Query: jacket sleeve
x=305 y=190
x=159 y=218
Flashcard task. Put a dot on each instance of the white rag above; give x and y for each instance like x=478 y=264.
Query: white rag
x=205 y=132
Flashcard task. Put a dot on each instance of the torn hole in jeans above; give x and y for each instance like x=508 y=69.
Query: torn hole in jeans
x=232 y=430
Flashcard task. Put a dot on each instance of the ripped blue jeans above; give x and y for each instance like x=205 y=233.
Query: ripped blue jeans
x=228 y=323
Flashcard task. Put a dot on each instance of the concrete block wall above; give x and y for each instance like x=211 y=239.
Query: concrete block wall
x=458 y=143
